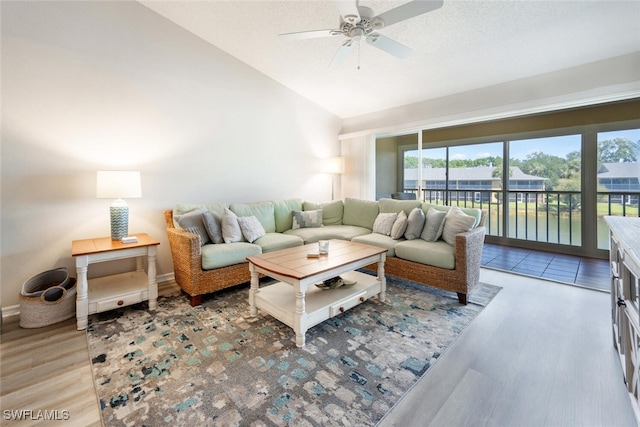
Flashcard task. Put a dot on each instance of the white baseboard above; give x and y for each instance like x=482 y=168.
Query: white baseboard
x=165 y=277
x=14 y=310
x=10 y=311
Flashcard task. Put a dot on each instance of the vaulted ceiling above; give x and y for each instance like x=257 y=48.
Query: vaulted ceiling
x=462 y=46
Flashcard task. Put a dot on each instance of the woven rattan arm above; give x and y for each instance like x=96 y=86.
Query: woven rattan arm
x=187 y=259
x=186 y=256
x=468 y=248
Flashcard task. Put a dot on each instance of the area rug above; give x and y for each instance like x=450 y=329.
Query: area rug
x=217 y=365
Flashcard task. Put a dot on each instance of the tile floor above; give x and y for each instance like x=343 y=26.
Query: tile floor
x=588 y=272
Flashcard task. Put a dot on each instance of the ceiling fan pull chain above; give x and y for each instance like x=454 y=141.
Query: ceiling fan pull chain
x=359 y=54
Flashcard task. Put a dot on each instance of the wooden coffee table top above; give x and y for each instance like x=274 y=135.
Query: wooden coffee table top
x=293 y=262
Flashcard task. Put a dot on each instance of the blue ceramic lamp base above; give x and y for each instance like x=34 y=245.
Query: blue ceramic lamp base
x=119 y=219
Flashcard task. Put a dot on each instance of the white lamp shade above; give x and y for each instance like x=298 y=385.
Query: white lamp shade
x=118 y=185
x=334 y=165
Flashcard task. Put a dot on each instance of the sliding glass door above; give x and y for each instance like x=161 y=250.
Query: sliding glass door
x=545 y=189
x=538 y=197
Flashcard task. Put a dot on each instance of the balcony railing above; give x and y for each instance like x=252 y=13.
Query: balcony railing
x=543 y=216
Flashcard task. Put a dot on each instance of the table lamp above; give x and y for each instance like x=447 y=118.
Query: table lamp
x=118 y=185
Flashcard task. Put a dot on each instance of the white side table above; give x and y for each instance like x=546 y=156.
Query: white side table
x=119 y=290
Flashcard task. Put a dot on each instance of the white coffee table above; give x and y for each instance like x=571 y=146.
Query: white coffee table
x=296 y=301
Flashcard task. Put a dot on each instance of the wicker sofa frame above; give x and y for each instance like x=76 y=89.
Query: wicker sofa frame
x=462 y=279
x=195 y=282
x=187 y=266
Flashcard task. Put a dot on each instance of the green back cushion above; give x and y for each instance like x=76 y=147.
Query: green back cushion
x=283 y=213
x=358 y=212
x=474 y=212
x=332 y=212
x=394 y=205
x=264 y=211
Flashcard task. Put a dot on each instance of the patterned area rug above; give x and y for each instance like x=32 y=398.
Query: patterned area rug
x=216 y=365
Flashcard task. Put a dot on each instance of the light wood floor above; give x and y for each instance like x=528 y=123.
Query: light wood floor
x=46 y=369
x=540 y=354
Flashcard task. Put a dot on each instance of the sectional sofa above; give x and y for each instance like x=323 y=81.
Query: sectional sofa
x=429 y=244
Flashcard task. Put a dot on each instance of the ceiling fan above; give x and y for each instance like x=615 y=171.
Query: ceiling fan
x=359 y=22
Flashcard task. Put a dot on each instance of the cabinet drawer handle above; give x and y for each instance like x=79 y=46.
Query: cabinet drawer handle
x=361 y=299
x=120 y=302
x=341 y=309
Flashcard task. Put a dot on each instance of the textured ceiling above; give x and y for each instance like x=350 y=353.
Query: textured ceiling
x=462 y=46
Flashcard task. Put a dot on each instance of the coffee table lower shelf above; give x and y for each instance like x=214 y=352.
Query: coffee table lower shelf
x=279 y=301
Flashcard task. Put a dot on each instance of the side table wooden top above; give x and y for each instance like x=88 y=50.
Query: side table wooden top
x=105 y=244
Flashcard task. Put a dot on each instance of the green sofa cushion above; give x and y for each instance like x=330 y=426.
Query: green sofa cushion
x=342 y=232
x=223 y=255
x=439 y=254
x=275 y=241
x=264 y=211
x=394 y=205
x=332 y=212
x=380 y=240
x=474 y=212
x=282 y=212
x=361 y=213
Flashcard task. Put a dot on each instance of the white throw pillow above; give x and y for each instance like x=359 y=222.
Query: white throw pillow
x=384 y=223
x=231 y=231
x=399 y=226
x=456 y=222
x=415 y=223
x=192 y=222
x=434 y=225
x=213 y=225
x=307 y=219
x=251 y=228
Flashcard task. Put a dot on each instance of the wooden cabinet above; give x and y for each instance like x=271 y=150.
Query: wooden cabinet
x=624 y=247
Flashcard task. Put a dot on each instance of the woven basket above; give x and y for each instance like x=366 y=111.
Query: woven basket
x=47 y=298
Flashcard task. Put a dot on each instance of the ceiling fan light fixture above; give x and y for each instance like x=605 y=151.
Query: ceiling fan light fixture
x=356 y=33
x=360 y=22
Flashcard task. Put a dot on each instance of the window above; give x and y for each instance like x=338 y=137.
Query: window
x=545 y=189
x=618 y=178
x=564 y=172
x=434 y=178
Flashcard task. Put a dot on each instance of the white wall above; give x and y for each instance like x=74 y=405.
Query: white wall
x=608 y=80
x=90 y=86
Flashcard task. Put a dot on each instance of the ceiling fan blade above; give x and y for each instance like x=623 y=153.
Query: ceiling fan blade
x=342 y=54
x=408 y=10
x=390 y=46
x=349 y=10
x=309 y=34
